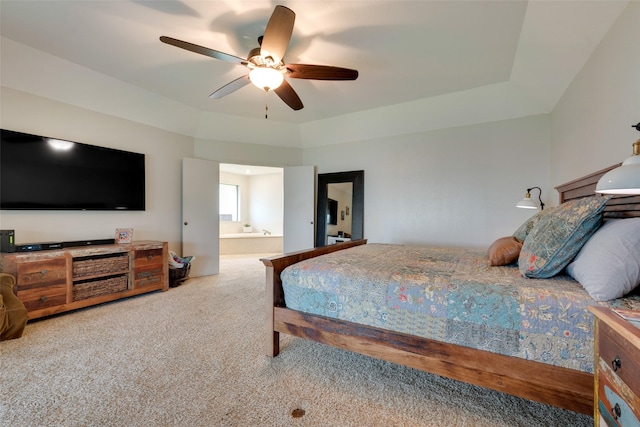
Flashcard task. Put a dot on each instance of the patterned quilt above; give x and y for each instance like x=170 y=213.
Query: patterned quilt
x=451 y=295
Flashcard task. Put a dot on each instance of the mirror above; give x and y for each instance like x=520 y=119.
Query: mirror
x=340 y=207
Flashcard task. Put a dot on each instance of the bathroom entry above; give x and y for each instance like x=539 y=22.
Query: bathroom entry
x=251 y=209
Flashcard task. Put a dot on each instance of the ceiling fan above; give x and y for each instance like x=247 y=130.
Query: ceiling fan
x=267 y=69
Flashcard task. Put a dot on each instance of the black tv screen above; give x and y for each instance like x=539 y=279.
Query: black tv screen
x=41 y=173
x=332 y=212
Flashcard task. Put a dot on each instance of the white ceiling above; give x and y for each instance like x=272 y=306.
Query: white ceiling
x=405 y=51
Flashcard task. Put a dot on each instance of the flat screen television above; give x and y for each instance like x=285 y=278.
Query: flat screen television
x=41 y=173
x=332 y=212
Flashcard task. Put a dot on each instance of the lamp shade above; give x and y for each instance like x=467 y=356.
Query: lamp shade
x=527 y=203
x=266 y=78
x=624 y=179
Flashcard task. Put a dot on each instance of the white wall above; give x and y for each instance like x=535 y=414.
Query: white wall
x=163 y=153
x=266 y=203
x=591 y=125
x=242 y=181
x=247 y=154
x=453 y=187
x=261 y=202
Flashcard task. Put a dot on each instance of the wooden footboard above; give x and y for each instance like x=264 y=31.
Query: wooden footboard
x=275 y=294
x=562 y=387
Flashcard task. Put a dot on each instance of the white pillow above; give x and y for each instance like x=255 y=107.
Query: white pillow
x=608 y=265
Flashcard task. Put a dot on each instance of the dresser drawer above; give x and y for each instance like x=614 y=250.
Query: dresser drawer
x=617 y=404
x=622 y=357
x=149 y=257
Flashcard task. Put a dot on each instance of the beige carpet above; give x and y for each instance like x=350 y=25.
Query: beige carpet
x=194 y=356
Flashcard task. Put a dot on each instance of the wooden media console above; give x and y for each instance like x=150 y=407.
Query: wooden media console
x=56 y=281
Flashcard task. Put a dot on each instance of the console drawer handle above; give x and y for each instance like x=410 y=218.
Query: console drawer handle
x=43 y=298
x=149 y=257
x=43 y=272
x=616 y=363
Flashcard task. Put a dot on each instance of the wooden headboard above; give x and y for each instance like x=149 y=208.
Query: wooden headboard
x=618 y=206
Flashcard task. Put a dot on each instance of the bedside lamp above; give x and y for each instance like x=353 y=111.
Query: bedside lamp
x=624 y=179
x=527 y=203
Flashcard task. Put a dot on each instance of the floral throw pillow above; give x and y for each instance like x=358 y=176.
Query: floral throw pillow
x=559 y=235
x=523 y=231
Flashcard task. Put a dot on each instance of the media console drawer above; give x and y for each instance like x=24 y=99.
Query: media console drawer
x=42 y=283
x=149 y=267
x=146 y=257
x=37 y=273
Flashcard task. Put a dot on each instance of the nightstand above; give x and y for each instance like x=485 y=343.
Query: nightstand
x=617 y=369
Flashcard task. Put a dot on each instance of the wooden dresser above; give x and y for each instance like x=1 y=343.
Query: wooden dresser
x=617 y=370
x=51 y=282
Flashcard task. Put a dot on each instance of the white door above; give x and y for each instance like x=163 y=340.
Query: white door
x=200 y=223
x=299 y=208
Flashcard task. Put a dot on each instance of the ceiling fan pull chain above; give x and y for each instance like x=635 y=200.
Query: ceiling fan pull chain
x=266 y=105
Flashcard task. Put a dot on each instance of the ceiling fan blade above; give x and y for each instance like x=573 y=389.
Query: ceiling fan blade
x=320 y=72
x=203 y=50
x=289 y=96
x=278 y=33
x=238 y=83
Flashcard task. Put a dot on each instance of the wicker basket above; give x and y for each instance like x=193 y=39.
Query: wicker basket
x=95 y=288
x=178 y=275
x=96 y=266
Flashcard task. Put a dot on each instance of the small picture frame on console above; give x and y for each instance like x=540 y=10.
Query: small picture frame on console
x=124 y=235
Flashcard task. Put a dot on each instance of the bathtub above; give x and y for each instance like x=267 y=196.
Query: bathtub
x=250 y=243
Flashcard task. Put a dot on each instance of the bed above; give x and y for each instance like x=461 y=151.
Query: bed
x=532 y=338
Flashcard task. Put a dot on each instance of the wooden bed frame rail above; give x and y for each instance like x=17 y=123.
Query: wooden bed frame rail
x=566 y=388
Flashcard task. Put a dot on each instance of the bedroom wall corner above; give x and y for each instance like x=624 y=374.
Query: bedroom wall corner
x=591 y=124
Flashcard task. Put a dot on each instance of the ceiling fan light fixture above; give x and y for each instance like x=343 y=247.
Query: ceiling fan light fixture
x=266 y=78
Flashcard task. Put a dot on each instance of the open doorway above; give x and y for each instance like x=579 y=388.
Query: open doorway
x=251 y=209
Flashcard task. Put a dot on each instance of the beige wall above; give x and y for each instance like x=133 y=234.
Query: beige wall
x=452 y=187
x=591 y=125
x=163 y=152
